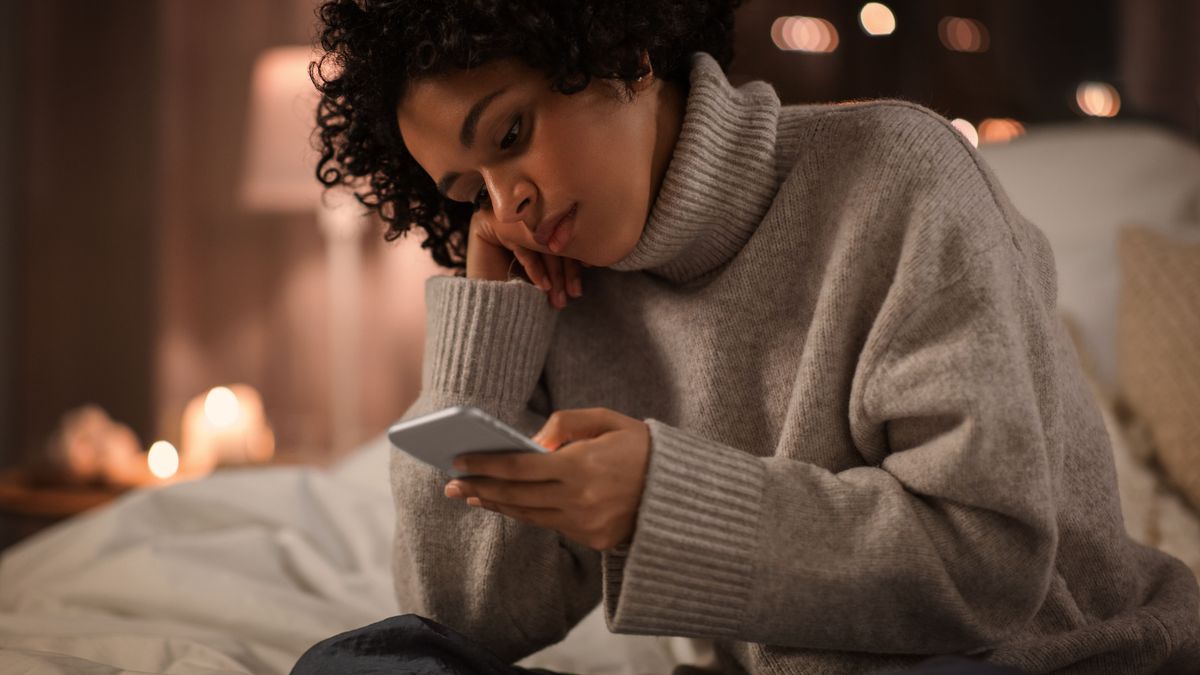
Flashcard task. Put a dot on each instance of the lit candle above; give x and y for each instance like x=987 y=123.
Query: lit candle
x=225 y=425
x=162 y=460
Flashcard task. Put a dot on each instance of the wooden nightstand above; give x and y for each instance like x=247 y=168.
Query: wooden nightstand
x=26 y=507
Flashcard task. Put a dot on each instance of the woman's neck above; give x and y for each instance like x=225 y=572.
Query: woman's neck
x=672 y=101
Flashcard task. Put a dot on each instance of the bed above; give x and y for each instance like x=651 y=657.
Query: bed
x=243 y=570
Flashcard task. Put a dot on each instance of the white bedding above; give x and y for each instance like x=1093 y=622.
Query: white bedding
x=239 y=572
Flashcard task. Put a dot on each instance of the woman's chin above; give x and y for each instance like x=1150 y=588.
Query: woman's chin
x=610 y=259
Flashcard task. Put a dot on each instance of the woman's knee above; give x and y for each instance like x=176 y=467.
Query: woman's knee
x=409 y=640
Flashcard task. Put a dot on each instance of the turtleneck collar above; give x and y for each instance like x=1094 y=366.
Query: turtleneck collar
x=720 y=180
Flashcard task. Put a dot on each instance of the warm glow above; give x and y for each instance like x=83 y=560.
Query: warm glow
x=221 y=407
x=877 y=19
x=225 y=425
x=1098 y=99
x=277 y=175
x=967 y=129
x=805 y=34
x=163 y=459
x=999 y=130
x=963 y=35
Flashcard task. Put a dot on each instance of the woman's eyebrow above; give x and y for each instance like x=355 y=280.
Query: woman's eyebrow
x=467 y=136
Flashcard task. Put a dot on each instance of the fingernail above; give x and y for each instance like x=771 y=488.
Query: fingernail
x=576 y=288
x=544 y=284
x=562 y=298
x=452 y=491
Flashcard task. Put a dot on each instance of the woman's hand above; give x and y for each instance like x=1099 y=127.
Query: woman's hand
x=589 y=490
x=490 y=256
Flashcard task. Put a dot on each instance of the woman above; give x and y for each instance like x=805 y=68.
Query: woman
x=821 y=413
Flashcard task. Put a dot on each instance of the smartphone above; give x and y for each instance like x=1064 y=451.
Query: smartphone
x=439 y=437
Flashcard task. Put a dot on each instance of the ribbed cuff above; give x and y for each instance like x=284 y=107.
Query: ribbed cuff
x=485 y=340
x=690 y=566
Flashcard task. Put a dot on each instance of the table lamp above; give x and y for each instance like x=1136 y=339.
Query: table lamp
x=280 y=176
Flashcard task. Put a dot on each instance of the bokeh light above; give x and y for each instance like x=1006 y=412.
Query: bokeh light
x=1098 y=99
x=805 y=34
x=163 y=459
x=999 y=130
x=963 y=35
x=877 y=19
x=221 y=407
x=966 y=129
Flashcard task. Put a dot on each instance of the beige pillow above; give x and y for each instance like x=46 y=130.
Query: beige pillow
x=1158 y=346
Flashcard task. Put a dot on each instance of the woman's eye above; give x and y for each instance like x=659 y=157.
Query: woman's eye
x=504 y=145
x=504 y=142
x=482 y=191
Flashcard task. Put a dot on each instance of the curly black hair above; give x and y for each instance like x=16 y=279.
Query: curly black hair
x=374 y=48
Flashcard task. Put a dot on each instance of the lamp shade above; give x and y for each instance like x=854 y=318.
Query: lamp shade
x=280 y=162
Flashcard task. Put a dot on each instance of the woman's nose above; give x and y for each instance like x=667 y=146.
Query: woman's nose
x=513 y=201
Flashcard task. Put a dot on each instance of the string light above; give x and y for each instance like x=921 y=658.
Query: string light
x=877 y=19
x=999 y=130
x=963 y=35
x=805 y=34
x=966 y=129
x=1098 y=99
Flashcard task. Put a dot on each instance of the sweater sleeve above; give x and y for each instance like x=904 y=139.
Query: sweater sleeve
x=512 y=587
x=943 y=541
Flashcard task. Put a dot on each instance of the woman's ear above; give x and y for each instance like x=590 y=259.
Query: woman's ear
x=647 y=78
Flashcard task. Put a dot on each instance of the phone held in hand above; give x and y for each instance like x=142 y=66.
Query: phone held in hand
x=439 y=437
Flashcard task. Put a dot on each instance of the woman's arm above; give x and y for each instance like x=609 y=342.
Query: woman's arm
x=943 y=542
x=513 y=587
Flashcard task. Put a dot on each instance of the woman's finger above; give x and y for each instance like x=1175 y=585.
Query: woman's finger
x=554 y=267
x=534 y=269
x=551 y=494
x=573 y=277
x=545 y=518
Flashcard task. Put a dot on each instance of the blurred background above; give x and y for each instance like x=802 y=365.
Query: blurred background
x=138 y=270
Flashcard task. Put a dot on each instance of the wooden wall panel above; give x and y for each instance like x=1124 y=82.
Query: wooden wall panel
x=1160 y=61
x=10 y=46
x=85 y=310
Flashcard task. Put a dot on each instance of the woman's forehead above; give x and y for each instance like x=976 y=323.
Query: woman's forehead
x=438 y=106
x=462 y=88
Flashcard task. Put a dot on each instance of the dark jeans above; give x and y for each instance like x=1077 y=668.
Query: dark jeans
x=413 y=645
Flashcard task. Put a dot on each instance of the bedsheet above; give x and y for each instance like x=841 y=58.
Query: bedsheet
x=238 y=572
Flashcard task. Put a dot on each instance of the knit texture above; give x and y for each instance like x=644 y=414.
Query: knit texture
x=871 y=440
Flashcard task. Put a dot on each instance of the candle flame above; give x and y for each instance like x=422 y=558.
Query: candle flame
x=163 y=460
x=221 y=407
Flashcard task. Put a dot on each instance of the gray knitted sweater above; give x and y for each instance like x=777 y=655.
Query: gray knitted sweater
x=871 y=440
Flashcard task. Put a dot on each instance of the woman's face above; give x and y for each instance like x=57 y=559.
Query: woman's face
x=499 y=137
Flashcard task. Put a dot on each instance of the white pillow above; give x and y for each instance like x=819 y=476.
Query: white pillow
x=1079 y=182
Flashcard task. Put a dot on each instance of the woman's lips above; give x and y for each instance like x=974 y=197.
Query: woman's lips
x=568 y=230
x=545 y=229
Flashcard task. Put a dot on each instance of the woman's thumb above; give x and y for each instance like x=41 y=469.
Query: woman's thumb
x=565 y=426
